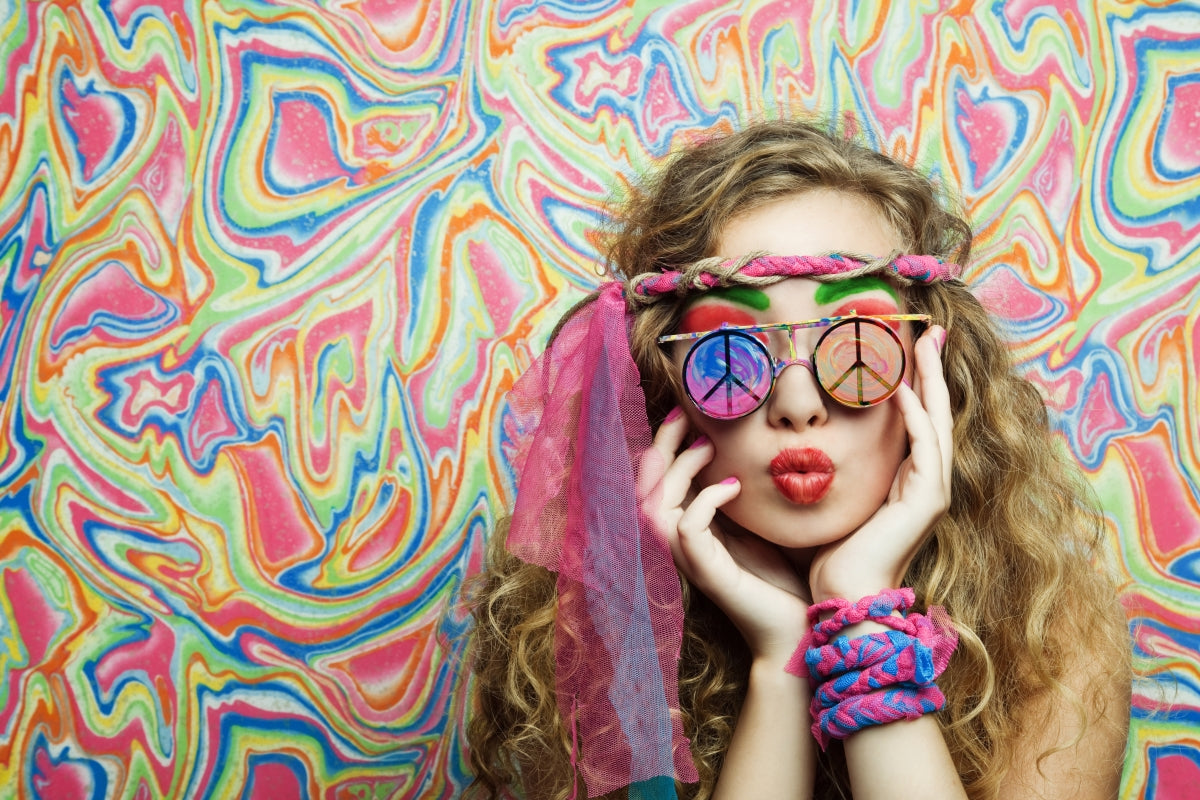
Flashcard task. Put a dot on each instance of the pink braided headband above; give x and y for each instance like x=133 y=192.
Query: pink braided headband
x=923 y=269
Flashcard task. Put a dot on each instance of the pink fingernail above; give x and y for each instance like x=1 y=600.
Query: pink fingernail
x=729 y=481
x=701 y=440
x=672 y=415
x=941 y=340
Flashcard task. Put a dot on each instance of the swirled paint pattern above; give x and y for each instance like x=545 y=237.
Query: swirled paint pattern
x=268 y=268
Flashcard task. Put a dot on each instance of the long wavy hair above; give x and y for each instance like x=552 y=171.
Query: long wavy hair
x=1016 y=559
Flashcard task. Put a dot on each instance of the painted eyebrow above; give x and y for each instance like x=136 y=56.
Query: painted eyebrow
x=830 y=293
x=726 y=310
x=740 y=295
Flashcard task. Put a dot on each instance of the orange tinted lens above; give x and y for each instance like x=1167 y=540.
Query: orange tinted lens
x=859 y=362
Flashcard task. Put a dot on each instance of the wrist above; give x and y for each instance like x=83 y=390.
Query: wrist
x=853 y=588
x=776 y=658
x=773 y=676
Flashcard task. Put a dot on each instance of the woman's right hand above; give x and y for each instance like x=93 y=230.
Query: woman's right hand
x=748 y=578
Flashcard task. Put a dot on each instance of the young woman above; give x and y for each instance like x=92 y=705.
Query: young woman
x=891 y=574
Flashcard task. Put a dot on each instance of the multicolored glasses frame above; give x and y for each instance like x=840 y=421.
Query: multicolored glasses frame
x=859 y=362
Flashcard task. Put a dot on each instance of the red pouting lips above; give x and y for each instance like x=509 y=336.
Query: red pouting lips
x=802 y=474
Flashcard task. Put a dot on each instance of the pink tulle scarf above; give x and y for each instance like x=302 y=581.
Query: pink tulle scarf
x=581 y=415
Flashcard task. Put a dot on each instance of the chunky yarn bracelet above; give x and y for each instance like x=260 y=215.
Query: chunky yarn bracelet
x=877 y=678
x=877 y=608
x=877 y=708
x=876 y=661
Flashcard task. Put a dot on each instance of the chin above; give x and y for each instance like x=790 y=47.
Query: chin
x=792 y=527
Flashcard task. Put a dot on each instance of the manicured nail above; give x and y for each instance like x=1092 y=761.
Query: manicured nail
x=672 y=415
x=941 y=340
x=701 y=440
x=729 y=481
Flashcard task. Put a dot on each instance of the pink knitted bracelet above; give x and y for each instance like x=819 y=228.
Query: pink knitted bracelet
x=877 y=608
x=894 y=658
x=934 y=629
x=877 y=708
x=876 y=678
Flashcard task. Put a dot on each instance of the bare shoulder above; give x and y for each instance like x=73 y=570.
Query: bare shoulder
x=1073 y=735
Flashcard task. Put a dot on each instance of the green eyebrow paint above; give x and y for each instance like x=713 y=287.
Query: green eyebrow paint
x=742 y=295
x=829 y=293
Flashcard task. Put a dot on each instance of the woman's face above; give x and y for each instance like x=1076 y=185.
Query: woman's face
x=811 y=470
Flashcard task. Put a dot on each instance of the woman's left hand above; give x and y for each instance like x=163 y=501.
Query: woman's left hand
x=877 y=555
x=748 y=578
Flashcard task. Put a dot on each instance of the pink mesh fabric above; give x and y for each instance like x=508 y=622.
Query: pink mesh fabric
x=580 y=427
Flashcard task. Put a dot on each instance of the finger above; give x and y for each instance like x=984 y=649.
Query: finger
x=702 y=557
x=925 y=452
x=671 y=432
x=667 y=440
x=680 y=473
x=935 y=394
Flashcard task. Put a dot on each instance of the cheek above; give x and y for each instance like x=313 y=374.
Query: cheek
x=892 y=439
x=879 y=432
x=726 y=448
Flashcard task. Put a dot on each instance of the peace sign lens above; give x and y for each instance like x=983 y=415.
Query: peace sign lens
x=730 y=373
x=859 y=362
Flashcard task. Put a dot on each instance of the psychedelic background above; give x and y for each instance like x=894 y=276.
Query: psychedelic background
x=267 y=270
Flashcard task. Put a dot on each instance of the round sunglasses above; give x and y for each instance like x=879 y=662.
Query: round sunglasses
x=859 y=361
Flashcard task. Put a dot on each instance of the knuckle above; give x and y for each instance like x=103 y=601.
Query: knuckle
x=689 y=526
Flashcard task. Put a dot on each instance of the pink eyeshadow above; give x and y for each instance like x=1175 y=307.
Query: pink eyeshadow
x=869 y=307
x=710 y=316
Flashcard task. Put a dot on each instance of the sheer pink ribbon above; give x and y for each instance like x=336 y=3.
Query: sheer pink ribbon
x=579 y=418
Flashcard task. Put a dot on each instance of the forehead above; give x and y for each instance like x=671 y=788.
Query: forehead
x=812 y=221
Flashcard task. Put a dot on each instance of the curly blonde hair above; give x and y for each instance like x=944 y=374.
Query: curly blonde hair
x=1016 y=559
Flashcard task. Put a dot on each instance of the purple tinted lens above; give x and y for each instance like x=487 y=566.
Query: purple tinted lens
x=860 y=362
x=727 y=374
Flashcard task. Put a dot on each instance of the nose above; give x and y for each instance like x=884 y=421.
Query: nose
x=796 y=401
